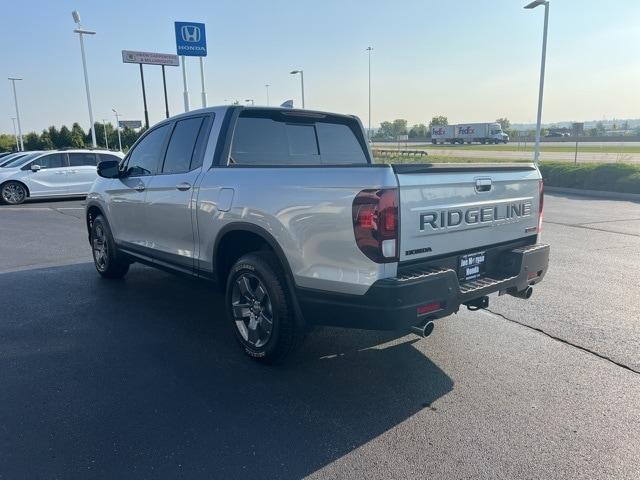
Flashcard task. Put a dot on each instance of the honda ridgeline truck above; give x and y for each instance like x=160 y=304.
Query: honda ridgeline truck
x=286 y=210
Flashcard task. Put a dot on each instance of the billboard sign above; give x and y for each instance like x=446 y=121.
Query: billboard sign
x=130 y=123
x=150 y=58
x=191 y=39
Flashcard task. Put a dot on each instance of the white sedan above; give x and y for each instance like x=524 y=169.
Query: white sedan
x=55 y=173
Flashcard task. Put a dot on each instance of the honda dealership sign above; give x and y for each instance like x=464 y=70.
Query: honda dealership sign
x=191 y=40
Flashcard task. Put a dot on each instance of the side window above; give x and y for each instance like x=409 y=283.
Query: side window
x=182 y=146
x=338 y=144
x=82 y=159
x=145 y=158
x=53 y=160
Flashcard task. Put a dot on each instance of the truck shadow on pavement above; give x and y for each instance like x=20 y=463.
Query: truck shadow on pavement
x=143 y=378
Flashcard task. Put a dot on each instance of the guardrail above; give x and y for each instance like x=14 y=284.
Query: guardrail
x=399 y=153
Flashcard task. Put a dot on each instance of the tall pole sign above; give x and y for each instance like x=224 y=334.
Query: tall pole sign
x=151 y=58
x=191 y=41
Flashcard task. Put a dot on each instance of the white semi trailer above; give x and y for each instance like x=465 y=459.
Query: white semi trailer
x=468 y=133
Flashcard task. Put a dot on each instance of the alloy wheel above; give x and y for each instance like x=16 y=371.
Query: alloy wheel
x=100 y=248
x=13 y=193
x=252 y=310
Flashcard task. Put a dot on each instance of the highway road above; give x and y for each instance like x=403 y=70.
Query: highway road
x=141 y=378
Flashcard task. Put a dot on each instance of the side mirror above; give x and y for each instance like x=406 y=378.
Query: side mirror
x=109 y=169
x=35 y=168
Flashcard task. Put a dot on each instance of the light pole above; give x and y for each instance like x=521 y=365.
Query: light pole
x=250 y=100
x=15 y=99
x=118 y=127
x=80 y=31
x=534 y=4
x=106 y=140
x=267 y=87
x=369 y=50
x=295 y=72
x=15 y=132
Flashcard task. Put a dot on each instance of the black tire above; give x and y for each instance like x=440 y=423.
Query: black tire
x=13 y=193
x=265 y=295
x=105 y=255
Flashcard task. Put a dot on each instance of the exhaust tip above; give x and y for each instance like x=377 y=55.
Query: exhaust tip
x=425 y=330
x=524 y=294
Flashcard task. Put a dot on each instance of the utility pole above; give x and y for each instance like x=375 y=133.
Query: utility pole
x=80 y=31
x=118 y=127
x=369 y=50
x=15 y=132
x=534 y=4
x=13 y=81
x=106 y=140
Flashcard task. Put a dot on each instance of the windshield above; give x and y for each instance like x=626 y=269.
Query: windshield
x=18 y=161
x=496 y=131
x=10 y=157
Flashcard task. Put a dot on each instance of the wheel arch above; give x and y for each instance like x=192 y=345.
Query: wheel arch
x=237 y=239
x=92 y=211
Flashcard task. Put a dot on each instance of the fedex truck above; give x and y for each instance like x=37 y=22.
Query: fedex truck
x=469 y=133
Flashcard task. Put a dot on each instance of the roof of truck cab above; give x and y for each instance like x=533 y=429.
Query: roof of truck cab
x=224 y=108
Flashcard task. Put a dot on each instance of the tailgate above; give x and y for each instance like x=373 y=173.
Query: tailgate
x=446 y=209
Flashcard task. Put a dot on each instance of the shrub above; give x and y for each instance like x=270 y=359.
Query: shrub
x=612 y=177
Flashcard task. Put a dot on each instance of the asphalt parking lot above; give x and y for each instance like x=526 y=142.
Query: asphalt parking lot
x=141 y=378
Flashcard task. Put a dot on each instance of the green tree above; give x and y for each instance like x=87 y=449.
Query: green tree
x=31 y=141
x=45 y=142
x=438 y=120
x=600 y=128
x=399 y=127
x=385 y=130
x=65 y=139
x=7 y=142
x=418 y=131
x=54 y=135
x=77 y=136
x=504 y=123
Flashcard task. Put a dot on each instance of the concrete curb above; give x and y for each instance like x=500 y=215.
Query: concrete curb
x=634 y=197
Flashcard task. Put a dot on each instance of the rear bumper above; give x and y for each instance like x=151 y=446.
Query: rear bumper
x=392 y=303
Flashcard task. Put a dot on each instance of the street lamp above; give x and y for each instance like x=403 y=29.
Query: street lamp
x=295 y=72
x=534 y=4
x=118 y=127
x=267 y=87
x=15 y=99
x=250 y=100
x=106 y=140
x=81 y=31
x=369 y=50
x=15 y=133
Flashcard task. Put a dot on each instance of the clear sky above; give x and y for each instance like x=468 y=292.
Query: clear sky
x=470 y=60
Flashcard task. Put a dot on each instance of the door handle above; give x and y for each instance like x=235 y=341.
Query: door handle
x=140 y=187
x=183 y=187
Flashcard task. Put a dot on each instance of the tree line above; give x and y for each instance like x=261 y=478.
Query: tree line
x=74 y=137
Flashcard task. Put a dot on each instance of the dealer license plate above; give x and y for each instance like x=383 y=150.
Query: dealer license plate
x=471 y=266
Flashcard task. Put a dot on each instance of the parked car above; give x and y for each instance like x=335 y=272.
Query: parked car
x=287 y=212
x=15 y=156
x=53 y=173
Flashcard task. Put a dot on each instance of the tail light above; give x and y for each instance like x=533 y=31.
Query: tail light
x=375 y=224
x=541 y=205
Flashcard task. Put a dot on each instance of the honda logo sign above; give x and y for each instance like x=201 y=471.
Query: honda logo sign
x=190 y=33
x=191 y=39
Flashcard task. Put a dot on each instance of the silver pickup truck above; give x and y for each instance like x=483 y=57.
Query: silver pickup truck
x=286 y=210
